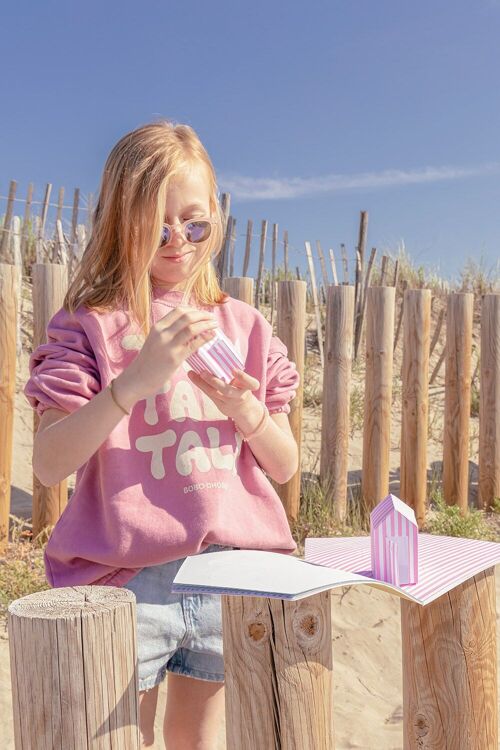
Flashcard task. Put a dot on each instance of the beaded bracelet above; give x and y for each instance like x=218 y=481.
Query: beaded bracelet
x=260 y=427
x=114 y=398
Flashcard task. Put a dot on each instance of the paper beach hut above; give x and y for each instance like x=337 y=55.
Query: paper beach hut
x=394 y=542
x=219 y=356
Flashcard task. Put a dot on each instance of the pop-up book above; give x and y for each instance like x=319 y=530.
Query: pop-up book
x=426 y=565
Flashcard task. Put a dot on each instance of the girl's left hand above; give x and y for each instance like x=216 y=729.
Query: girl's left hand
x=232 y=398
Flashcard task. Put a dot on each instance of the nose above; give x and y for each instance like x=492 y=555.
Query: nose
x=177 y=238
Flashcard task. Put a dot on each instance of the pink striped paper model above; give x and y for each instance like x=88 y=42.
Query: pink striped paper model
x=444 y=562
x=394 y=542
x=218 y=356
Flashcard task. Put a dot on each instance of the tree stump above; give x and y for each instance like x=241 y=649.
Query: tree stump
x=278 y=673
x=450 y=669
x=73 y=654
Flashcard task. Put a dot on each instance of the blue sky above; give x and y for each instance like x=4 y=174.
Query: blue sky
x=311 y=112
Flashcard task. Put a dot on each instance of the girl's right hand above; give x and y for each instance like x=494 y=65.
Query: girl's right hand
x=170 y=341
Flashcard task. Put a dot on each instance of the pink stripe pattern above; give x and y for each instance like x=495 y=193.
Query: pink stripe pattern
x=444 y=562
x=218 y=356
x=393 y=521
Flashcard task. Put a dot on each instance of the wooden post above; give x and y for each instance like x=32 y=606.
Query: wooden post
x=400 y=317
x=232 y=242
x=450 y=669
x=457 y=399
x=73 y=655
x=50 y=283
x=18 y=263
x=285 y=252
x=322 y=264
x=378 y=394
x=273 y=271
x=10 y=293
x=415 y=400
x=361 y=318
x=489 y=402
x=333 y=265
x=437 y=331
x=315 y=302
x=26 y=218
x=344 y=263
x=263 y=235
x=383 y=270
x=336 y=395
x=40 y=249
x=239 y=287
x=278 y=673
x=248 y=246
x=4 y=239
x=60 y=204
x=291 y=329
x=360 y=255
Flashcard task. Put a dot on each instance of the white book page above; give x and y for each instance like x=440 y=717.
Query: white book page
x=257 y=572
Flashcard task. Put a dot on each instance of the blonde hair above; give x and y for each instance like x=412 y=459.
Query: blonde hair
x=115 y=267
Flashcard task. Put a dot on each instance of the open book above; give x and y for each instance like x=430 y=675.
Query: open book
x=444 y=562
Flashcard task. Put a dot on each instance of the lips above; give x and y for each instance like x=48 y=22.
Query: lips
x=175 y=257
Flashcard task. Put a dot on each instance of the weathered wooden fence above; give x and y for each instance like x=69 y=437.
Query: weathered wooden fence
x=350 y=316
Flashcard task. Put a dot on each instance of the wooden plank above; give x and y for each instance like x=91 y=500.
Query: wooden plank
x=415 y=400
x=248 y=247
x=334 y=460
x=378 y=394
x=315 y=301
x=260 y=272
x=489 y=402
x=457 y=399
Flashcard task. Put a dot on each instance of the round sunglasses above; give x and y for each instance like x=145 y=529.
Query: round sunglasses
x=193 y=231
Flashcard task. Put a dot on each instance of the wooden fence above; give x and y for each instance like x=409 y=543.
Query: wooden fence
x=349 y=315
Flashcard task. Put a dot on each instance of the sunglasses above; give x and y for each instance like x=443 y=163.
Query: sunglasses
x=193 y=231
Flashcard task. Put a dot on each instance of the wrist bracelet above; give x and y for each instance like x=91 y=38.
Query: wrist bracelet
x=114 y=398
x=260 y=427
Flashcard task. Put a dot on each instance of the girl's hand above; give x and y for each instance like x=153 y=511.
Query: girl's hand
x=234 y=398
x=170 y=341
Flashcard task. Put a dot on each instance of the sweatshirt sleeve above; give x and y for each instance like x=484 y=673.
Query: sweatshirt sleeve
x=63 y=372
x=282 y=378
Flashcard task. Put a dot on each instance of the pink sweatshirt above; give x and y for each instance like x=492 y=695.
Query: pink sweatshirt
x=174 y=476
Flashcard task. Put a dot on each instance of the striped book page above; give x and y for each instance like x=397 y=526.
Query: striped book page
x=443 y=561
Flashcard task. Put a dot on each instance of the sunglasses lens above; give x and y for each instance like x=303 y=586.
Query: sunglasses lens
x=165 y=236
x=198 y=231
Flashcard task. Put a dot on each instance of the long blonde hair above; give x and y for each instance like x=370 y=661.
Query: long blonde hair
x=115 y=267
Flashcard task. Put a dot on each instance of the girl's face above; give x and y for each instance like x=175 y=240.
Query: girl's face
x=187 y=198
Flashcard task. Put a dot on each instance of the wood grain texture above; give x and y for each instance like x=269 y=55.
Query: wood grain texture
x=378 y=393
x=450 y=669
x=457 y=399
x=489 y=402
x=278 y=673
x=50 y=283
x=336 y=395
x=239 y=287
x=291 y=327
x=73 y=655
x=317 y=310
x=10 y=290
x=415 y=400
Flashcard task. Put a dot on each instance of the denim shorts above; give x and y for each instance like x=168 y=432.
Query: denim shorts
x=176 y=632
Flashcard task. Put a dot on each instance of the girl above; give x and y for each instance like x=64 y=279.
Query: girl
x=169 y=463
